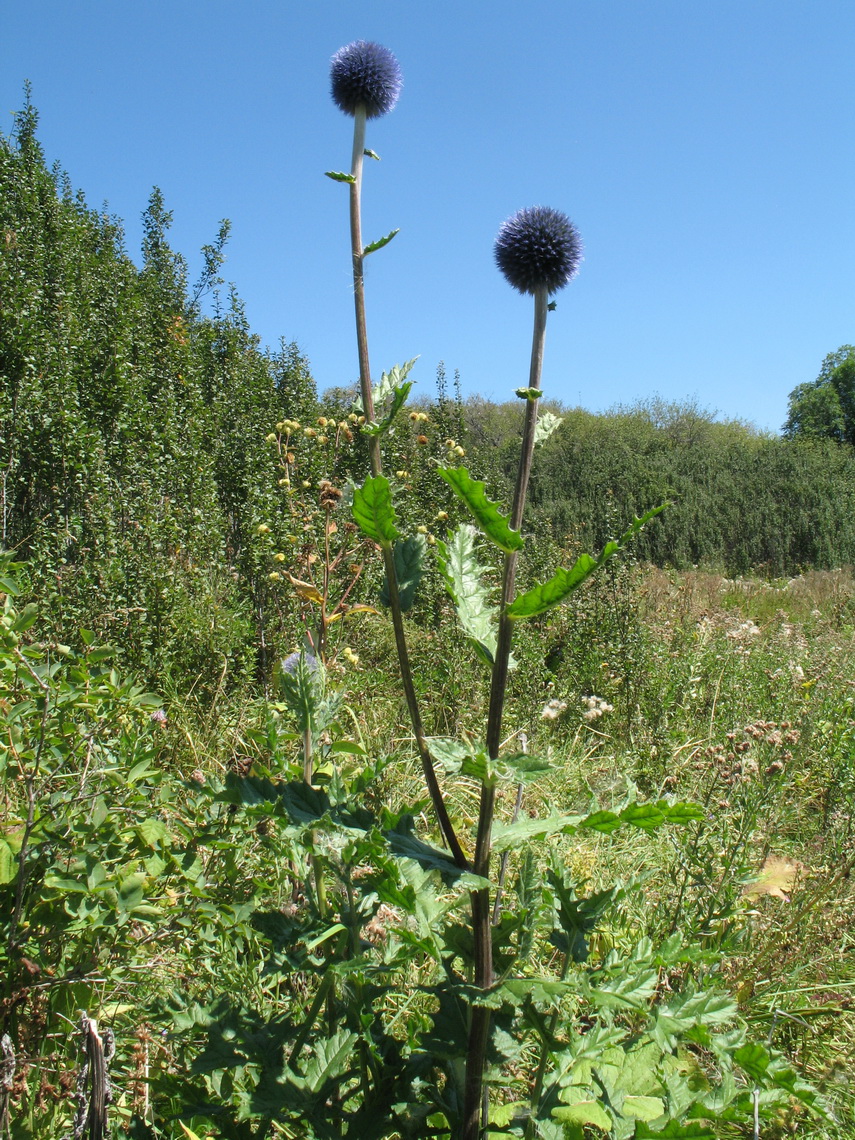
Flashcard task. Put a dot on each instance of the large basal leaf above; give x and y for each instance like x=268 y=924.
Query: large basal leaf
x=409 y=563
x=330 y=1059
x=684 y=1010
x=563 y=582
x=486 y=513
x=584 y=1109
x=626 y=991
x=463 y=576
x=642 y=1107
x=692 y=1130
x=373 y=511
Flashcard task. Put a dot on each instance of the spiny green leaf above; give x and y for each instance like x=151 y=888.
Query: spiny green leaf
x=339 y=176
x=450 y=754
x=546 y=424
x=693 y=1130
x=521 y=767
x=562 y=584
x=384 y=389
x=687 y=1009
x=510 y=835
x=681 y=813
x=409 y=563
x=626 y=991
x=463 y=576
x=493 y=523
x=302 y=688
x=371 y=154
x=399 y=398
x=646 y=816
x=373 y=511
x=375 y=245
x=330 y=1059
x=604 y=821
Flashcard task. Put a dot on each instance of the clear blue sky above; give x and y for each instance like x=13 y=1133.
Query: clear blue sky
x=704 y=150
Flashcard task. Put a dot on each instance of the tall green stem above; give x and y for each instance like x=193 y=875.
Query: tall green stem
x=479 y=1028
x=434 y=789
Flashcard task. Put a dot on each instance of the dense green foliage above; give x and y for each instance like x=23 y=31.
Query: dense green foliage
x=741 y=500
x=825 y=408
x=134 y=473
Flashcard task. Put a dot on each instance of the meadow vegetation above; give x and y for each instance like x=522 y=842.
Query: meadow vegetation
x=282 y=955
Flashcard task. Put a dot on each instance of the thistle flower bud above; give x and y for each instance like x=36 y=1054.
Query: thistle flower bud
x=365 y=74
x=538 y=248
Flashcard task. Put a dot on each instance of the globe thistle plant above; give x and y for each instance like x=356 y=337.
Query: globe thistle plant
x=538 y=248
x=365 y=74
x=365 y=82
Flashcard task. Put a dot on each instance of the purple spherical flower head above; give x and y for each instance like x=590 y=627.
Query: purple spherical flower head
x=365 y=74
x=538 y=247
x=291 y=663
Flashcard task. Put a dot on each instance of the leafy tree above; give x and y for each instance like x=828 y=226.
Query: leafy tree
x=825 y=408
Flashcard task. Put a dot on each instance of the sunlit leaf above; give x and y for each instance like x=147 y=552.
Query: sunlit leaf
x=692 y=1130
x=463 y=577
x=339 y=176
x=383 y=391
x=375 y=245
x=777 y=878
x=563 y=583
x=373 y=511
x=306 y=590
x=399 y=398
x=584 y=1109
x=492 y=522
x=642 y=1107
x=546 y=424
x=8 y=863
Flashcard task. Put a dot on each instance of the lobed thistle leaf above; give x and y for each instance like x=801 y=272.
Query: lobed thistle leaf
x=538 y=248
x=365 y=74
x=493 y=523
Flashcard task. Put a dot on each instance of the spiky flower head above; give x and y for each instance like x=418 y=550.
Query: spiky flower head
x=365 y=74
x=538 y=247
